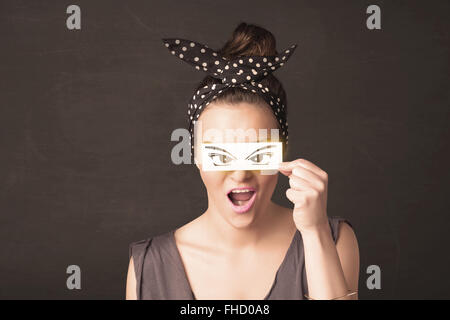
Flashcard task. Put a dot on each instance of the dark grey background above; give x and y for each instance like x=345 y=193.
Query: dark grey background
x=86 y=118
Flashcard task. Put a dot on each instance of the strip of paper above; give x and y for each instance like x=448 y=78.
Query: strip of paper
x=241 y=156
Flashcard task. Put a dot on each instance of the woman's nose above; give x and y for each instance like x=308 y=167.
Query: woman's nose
x=241 y=175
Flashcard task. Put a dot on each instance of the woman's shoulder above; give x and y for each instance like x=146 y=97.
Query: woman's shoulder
x=153 y=259
x=138 y=249
x=162 y=242
x=336 y=225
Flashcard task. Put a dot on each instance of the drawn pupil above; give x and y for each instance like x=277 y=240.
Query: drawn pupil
x=261 y=156
x=222 y=157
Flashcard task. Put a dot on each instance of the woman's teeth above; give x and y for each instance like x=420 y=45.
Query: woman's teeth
x=240 y=197
x=242 y=200
x=242 y=190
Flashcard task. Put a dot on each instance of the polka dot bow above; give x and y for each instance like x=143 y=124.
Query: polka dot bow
x=245 y=72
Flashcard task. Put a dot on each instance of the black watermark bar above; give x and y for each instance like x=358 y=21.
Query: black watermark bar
x=214 y=309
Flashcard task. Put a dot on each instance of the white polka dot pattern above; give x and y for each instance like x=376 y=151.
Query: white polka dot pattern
x=243 y=72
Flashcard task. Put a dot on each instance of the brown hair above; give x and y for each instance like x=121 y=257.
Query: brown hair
x=249 y=40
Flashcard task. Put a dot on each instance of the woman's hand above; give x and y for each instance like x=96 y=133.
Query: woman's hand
x=308 y=191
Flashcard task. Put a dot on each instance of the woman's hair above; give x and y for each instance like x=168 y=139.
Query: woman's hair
x=249 y=40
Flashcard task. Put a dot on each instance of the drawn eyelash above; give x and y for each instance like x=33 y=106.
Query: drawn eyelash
x=270 y=154
x=257 y=151
x=212 y=155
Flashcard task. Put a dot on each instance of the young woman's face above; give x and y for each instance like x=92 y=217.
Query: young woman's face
x=242 y=117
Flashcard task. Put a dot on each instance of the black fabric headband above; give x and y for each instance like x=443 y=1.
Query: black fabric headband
x=245 y=72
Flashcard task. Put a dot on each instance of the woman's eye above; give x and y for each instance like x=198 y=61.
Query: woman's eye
x=220 y=159
x=261 y=158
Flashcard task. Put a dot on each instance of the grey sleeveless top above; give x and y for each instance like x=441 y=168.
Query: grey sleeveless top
x=160 y=273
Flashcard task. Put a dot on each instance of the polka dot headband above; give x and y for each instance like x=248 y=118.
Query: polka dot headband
x=245 y=72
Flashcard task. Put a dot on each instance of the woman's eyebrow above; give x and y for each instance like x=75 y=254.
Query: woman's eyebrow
x=217 y=148
x=259 y=149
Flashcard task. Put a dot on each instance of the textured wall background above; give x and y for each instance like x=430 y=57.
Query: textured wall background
x=86 y=118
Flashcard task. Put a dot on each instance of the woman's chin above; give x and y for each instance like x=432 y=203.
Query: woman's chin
x=242 y=220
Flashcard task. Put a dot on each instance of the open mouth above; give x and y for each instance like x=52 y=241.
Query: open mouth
x=242 y=199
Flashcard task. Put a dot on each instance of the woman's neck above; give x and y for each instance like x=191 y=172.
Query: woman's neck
x=230 y=237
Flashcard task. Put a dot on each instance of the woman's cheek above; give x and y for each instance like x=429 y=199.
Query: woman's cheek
x=268 y=182
x=213 y=179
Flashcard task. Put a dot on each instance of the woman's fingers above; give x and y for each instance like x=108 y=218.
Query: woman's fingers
x=308 y=178
x=287 y=173
x=287 y=167
x=297 y=197
x=305 y=174
x=298 y=183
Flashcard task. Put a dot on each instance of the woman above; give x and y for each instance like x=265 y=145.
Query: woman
x=264 y=251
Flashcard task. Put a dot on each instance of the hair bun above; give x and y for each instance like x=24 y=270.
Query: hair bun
x=249 y=40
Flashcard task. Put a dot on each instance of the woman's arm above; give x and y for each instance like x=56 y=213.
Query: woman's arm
x=332 y=270
x=131 y=282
